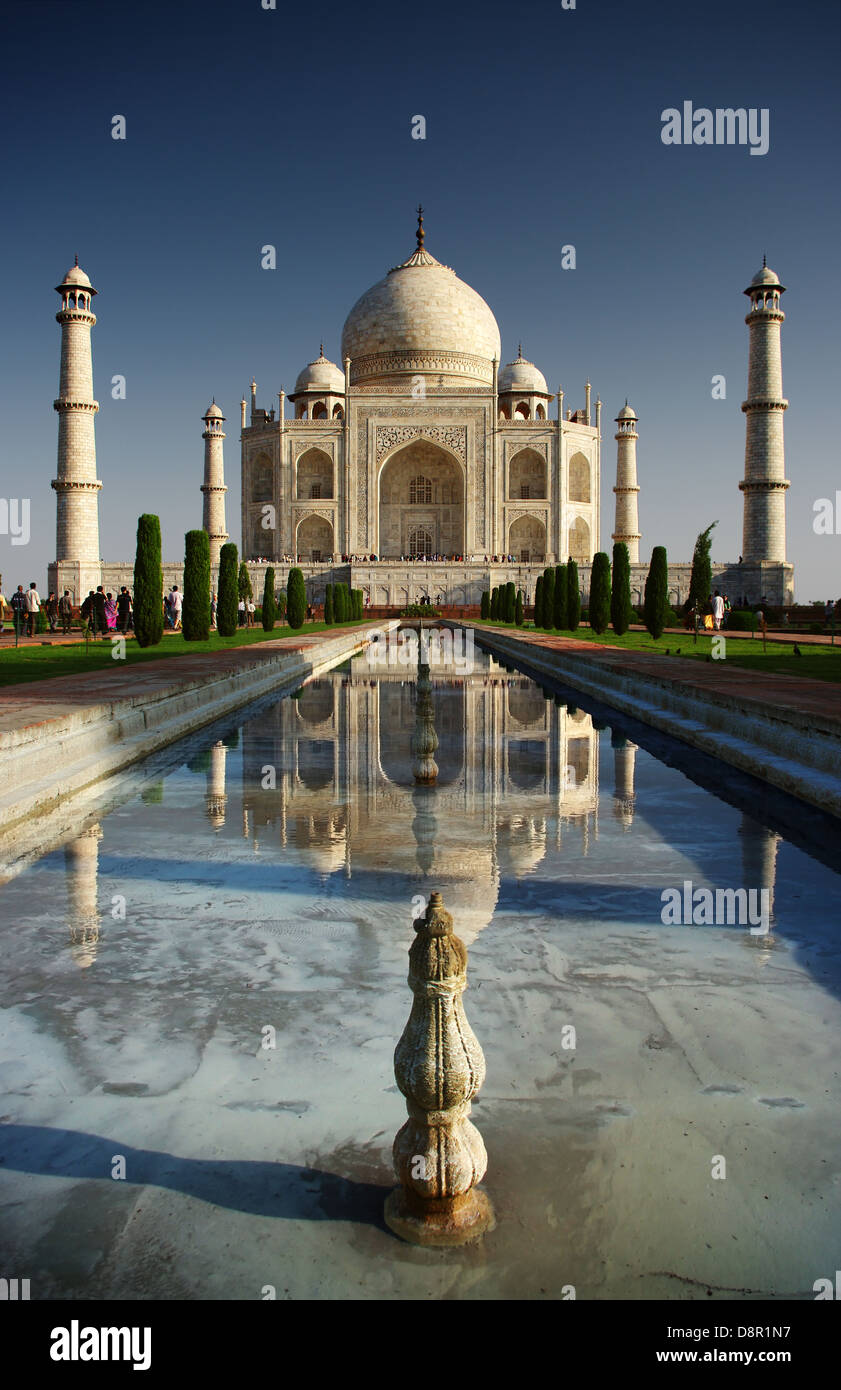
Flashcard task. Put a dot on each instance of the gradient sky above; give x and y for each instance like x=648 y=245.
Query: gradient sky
x=293 y=127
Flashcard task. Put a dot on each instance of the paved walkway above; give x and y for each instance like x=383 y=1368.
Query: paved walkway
x=37 y=701
x=766 y=690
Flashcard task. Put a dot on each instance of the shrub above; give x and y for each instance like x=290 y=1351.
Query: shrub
x=268 y=614
x=420 y=610
x=296 y=600
x=548 y=597
x=329 y=612
x=741 y=620
x=560 y=614
x=573 y=597
x=195 y=613
x=485 y=610
x=227 y=595
x=518 y=610
x=148 y=583
x=656 y=604
x=599 y=607
x=620 y=591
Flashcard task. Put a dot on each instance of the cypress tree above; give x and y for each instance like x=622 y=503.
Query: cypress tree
x=620 y=594
x=494 y=604
x=269 y=616
x=538 y=602
x=518 y=609
x=573 y=597
x=329 y=614
x=148 y=597
x=560 y=615
x=244 y=589
x=701 y=578
x=360 y=605
x=226 y=602
x=600 y=593
x=195 y=614
x=296 y=600
x=656 y=604
x=510 y=601
x=485 y=610
x=548 y=597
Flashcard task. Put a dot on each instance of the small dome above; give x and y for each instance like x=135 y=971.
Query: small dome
x=76 y=276
x=627 y=413
x=765 y=276
x=321 y=375
x=213 y=412
x=522 y=377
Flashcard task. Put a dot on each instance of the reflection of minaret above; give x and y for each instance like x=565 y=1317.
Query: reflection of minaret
x=624 y=758
x=81 y=858
x=759 y=859
x=424 y=739
x=215 y=798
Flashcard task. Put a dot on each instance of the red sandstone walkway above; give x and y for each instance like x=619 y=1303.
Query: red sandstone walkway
x=34 y=702
x=766 y=691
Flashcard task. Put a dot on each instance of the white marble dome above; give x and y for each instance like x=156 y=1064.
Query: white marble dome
x=321 y=375
x=421 y=319
x=523 y=378
x=627 y=413
x=765 y=276
x=76 y=276
x=213 y=412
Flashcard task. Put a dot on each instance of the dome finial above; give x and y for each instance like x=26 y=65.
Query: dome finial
x=321 y=349
x=519 y=352
x=764 y=262
x=421 y=232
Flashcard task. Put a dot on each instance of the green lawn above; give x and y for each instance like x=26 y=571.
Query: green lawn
x=32 y=662
x=819 y=662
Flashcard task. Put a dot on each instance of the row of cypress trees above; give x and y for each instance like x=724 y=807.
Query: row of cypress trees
x=343 y=605
x=234 y=583
x=503 y=604
x=557 y=600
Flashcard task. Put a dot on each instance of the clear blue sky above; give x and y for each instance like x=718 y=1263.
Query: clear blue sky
x=292 y=127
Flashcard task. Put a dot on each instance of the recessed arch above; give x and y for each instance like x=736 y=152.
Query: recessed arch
x=579 y=478
x=262 y=479
x=579 y=541
x=403 y=505
x=527 y=539
x=314 y=470
x=314 y=539
x=526 y=475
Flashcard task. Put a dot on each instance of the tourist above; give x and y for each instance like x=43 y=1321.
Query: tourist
x=100 y=612
x=124 y=610
x=33 y=608
x=830 y=611
x=52 y=610
x=110 y=612
x=175 y=607
x=241 y=613
x=213 y=609
x=18 y=607
x=717 y=606
x=728 y=608
x=250 y=610
x=65 y=612
x=88 y=612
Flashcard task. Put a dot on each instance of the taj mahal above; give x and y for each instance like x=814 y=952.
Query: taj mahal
x=422 y=467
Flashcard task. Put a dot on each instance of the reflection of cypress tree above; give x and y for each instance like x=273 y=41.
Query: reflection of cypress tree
x=200 y=762
x=154 y=794
x=232 y=741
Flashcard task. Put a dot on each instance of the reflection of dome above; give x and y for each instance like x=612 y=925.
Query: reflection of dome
x=522 y=376
x=520 y=844
x=421 y=318
x=321 y=375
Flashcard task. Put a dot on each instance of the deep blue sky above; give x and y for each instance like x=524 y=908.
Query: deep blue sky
x=292 y=127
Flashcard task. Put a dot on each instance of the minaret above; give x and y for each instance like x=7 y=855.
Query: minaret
x=764 y=484
x=77 y=561
x=213 y=511
x=627 y=525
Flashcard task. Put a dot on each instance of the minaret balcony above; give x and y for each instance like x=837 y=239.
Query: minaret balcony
x=765 y=403
x=67 y=403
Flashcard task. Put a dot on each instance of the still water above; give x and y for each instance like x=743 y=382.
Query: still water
x=203 y=981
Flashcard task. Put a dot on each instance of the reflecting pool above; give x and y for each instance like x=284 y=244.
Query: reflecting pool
x=203 y=979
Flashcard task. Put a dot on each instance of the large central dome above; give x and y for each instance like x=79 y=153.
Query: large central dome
x=421 y=320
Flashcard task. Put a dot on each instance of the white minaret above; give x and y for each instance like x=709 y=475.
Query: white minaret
x=213 y=511
x=627 y=525
x=77 y=562
x=764 y=484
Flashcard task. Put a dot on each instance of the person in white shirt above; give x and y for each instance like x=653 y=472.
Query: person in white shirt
x=175 y=602
x=718 y=610
x=33 y=607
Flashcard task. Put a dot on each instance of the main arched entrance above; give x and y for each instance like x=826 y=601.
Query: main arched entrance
x=421 y=503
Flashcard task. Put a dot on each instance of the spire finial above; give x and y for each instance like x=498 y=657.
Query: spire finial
x=520 y=352
x=76 y=260
x=764 y=262
x=421 y=232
